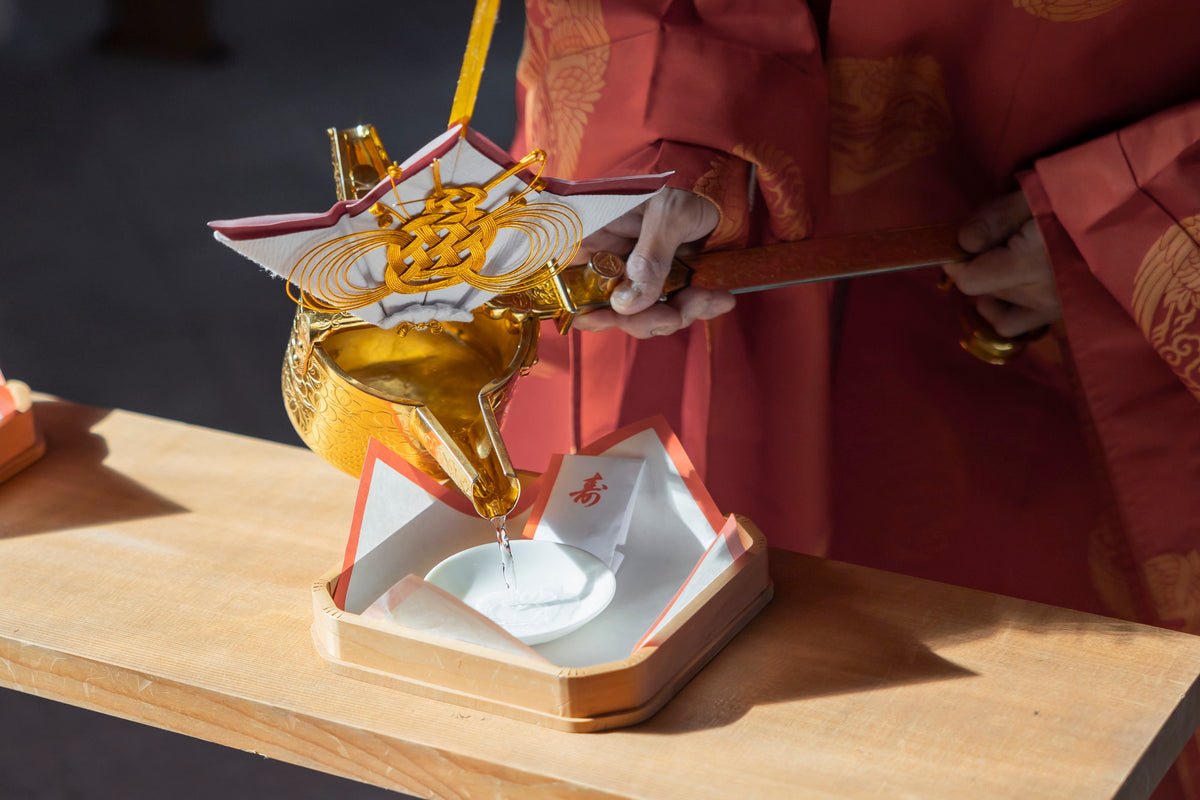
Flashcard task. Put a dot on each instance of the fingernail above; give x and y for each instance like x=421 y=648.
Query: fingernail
x=628 y=294
x=660 y=331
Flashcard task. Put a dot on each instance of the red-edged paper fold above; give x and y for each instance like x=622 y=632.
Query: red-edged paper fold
x=281 y=242
x=668 y=541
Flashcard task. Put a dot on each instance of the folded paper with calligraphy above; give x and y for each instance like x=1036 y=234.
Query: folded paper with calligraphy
x=676 y=543
x=590 y=504
x=450 y=228
x=669 y=540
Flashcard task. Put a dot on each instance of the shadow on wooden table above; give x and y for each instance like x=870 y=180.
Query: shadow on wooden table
x=819 y=637
x=36 y=499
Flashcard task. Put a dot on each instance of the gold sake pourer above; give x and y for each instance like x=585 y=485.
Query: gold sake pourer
x=432 y=392
x=435 y=392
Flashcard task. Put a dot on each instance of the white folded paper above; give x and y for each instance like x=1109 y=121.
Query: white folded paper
x=670 y=533
x=589 y=505
x=674 y=524
x=281 y=242
x=420 y=605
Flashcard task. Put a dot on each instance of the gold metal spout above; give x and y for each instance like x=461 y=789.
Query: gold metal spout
x=431 y=392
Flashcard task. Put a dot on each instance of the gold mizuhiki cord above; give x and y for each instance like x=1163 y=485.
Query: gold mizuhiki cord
x=444 y=245
x=447 y=243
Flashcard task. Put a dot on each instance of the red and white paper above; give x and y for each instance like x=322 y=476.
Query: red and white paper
x=278 y=242
x=589 y=505
x=664 y=533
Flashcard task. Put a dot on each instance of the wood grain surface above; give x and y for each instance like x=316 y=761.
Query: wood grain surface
x=161 y=572
x=870 y=253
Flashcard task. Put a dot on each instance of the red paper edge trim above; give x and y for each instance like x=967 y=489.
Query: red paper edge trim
x=728 y=533
x=360 y=505
x=638 y=184
x=262 y=227
x=378 y=451
x=542 y=498
x=677 y=455
x=726 y=528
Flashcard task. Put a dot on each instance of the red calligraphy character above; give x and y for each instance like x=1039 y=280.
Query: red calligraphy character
x=589 y=495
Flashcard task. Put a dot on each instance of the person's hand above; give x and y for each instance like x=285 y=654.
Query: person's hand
x=1010 y=273
x=651 y=234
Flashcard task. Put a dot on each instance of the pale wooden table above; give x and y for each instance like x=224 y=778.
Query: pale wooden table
x=160 y=572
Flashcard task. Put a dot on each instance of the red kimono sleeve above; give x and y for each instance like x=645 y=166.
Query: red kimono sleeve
x=1121 y=220
x=705 y=89
x=732 y=98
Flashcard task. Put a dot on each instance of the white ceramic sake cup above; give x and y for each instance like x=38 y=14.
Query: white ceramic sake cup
x=557 y=588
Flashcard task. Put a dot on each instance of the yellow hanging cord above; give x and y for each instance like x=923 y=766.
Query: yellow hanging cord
x=482 y=23
x=447 y=243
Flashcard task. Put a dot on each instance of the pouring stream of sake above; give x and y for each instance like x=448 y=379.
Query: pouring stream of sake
x=506 y=556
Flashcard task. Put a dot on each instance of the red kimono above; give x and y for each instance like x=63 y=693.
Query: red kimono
x=849 y=422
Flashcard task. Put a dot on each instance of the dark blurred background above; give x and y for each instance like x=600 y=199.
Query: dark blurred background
x=128 y=124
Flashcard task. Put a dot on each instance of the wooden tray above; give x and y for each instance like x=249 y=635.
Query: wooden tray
x=592 y=698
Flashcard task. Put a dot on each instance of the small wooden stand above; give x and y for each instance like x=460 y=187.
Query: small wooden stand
x=21 y=443
x=571 y=699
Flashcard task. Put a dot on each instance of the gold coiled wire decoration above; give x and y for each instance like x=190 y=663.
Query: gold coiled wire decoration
x=444 y=245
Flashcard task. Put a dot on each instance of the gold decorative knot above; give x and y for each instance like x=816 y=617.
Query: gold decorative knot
x=444 y=245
